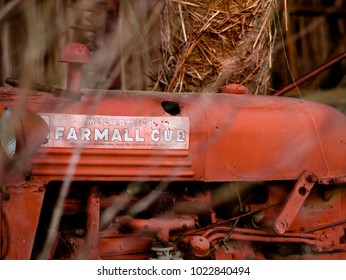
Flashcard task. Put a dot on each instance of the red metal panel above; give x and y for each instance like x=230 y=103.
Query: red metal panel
x=181 y=159
x=249 y=138
x=108 y=164
x=21 y=211
x=265 y=138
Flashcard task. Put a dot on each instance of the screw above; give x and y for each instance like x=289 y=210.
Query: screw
x=311 y=178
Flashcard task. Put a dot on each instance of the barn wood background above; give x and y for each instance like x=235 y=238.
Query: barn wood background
x=125 y=39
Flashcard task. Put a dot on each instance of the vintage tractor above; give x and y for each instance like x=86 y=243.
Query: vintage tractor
x=101 y=174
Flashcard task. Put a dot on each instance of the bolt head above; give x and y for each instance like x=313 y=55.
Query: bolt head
x=235 y=89
x=281 y=226
x=75 y=53
x=199 y=246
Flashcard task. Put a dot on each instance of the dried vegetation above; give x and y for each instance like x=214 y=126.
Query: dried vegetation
x=204 y=44
x=207 y=44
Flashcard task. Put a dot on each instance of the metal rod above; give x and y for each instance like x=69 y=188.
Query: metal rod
x=309 y=10
x=57 y=92
x=270 y=239
x=52 y=248
x=311 y=74
x=93 y=223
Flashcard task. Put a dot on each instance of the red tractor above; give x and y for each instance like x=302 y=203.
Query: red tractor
x=101 y=174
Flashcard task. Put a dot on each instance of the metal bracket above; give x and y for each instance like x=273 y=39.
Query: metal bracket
x=294 y=201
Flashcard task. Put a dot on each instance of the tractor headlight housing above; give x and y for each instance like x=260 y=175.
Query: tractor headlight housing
x=8 y=138
x=22 y=132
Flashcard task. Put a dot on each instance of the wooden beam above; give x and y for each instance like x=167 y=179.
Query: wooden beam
x=316 y=11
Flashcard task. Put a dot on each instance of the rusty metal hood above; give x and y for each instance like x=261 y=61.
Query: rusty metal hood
x=273 y=138
x=209 y=137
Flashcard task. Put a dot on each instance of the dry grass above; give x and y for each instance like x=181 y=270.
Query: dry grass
x=124 y=42
x=207 y=44
x=204 y=44
x=35 y=32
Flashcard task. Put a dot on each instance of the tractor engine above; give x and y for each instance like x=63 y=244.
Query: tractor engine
x=101 y=174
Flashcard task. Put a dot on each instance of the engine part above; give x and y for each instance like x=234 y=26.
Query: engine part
x=295 y=200
x=75 y=55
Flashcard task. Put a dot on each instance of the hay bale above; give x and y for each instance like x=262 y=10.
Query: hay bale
x=207 y=44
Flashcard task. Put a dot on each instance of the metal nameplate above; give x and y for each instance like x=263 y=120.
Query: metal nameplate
x=97 y=131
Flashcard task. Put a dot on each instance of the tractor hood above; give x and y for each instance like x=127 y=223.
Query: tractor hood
x=143 y=136
x=273 y=138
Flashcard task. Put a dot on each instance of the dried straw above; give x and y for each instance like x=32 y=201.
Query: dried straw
x=207 y=44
